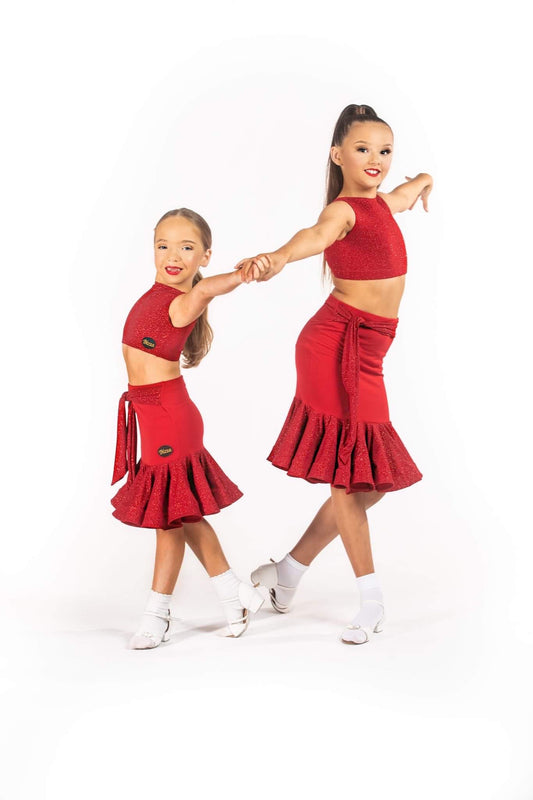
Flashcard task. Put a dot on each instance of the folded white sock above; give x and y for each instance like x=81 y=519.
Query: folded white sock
x=226 y=586
x=371 y=607
x=154 y=622
x=238 y=598
x=290 y=571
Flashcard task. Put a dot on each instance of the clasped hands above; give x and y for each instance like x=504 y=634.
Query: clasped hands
x=261 y=267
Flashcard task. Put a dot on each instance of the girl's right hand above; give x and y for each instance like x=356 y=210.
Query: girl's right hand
x=263 y=266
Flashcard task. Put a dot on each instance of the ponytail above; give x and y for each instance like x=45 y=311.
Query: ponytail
x=200 y=338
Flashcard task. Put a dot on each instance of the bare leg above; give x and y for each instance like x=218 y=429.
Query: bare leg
x=350 y=513
x=282 y=578
x=204 y=543
x=323 y=529
x=170 y=547
x=155 y=622
x=352 y=522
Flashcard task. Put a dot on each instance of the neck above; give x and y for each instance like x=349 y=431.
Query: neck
x=185 y=287
x=355 y=190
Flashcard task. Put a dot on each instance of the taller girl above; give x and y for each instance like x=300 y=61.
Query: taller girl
x=338 y=429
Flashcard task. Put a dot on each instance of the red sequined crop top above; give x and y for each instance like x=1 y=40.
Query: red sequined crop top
x=148 y=326
x=374 y=248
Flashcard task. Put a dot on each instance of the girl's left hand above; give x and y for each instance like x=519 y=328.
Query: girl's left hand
x=424 y=193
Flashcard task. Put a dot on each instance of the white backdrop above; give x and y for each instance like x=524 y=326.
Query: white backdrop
x=115 y=114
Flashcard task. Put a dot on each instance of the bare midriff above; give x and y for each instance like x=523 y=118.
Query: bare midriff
x=146 y=368
x=380 y=297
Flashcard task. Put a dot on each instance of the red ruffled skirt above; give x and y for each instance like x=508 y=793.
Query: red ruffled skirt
x=176 y=479
x=338 y=429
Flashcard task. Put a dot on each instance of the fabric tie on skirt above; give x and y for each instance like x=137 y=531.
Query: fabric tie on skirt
x=126 y=447
x=350 y=367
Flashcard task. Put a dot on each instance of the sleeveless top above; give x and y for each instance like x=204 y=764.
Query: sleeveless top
x=374 y=248
x=148 y=326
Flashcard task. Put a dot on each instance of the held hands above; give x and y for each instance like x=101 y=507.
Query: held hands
x=261 y=268
x=427 y=186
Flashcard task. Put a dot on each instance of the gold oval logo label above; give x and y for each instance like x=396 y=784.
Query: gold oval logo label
x=148 y=342
x=165 y=450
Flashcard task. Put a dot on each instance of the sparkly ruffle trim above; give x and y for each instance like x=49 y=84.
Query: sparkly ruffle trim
x=167 y=495
x=308 y=448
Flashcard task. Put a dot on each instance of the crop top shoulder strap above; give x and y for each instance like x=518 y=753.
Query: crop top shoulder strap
x=148 y=326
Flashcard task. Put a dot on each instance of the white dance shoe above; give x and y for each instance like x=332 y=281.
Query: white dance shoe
x=147 y=640
x=280 y=596
x=237 y=609
x=360 y=634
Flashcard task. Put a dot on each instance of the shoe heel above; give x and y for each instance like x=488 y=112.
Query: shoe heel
x=379 y=626
x=250 y=597
x=265 y=575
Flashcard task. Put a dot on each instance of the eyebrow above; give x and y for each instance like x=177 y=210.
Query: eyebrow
x=183 y=241
x=362 y=141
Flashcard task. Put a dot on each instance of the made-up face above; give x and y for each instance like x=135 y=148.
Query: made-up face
x=364 y=156
x=178 y=252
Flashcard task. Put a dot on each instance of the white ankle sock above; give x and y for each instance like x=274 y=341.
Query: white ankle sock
x=290 y=573
x=371 y=610
x=153 y=622
x=226 y=586
x=369 y=589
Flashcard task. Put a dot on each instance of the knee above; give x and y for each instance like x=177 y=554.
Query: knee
x=193 y=531
x=372 y=498
x=353 y=501
x=175 y=534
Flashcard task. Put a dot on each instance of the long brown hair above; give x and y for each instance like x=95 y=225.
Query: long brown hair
x=200 y=338
x=334 y=178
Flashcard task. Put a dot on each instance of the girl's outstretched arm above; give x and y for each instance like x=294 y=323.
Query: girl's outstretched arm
x=406 y=194
x=185 y=308
x=335 y=219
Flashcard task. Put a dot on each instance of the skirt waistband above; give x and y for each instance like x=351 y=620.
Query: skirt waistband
x=373 y=320
x=135 y=390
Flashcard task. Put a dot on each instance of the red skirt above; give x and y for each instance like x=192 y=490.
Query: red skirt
x=338 y=429
x=176 y=479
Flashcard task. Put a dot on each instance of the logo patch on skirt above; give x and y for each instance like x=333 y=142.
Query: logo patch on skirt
x=148 y=342
x=165 y=450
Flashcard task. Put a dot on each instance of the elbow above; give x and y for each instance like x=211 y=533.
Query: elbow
x=402 y=201
x=204 y=290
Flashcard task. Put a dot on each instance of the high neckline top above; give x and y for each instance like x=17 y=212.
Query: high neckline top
x=148 y=326
x=374 y=249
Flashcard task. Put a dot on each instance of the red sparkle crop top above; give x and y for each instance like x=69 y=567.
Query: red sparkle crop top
x=148 y=326
x=374 y=248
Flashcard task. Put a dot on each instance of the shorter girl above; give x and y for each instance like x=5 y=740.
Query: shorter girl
x=176 y=481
